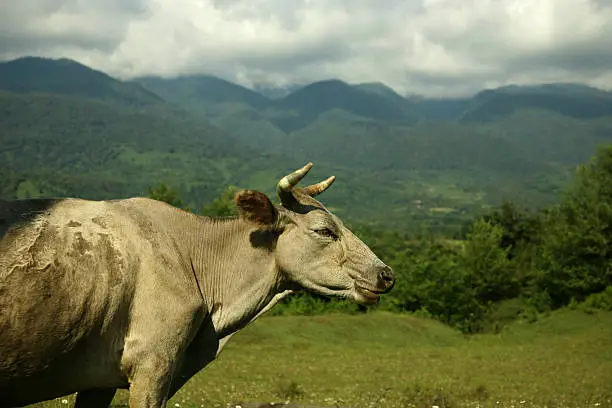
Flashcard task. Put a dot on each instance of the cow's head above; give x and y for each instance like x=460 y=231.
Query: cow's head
x=313 y=248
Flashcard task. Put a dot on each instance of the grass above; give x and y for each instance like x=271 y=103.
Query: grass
x=386 y=360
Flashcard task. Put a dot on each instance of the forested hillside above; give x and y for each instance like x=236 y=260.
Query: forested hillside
x=68 y=77
x=413 y=164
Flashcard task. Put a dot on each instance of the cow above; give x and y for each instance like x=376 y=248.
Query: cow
x=137 y=294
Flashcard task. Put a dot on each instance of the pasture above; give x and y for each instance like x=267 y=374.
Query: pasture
x=389 y=360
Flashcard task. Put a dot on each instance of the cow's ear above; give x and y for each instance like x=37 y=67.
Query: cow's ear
x=256 y=207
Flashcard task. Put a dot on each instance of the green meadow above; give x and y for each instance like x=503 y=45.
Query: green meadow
x=381 y=359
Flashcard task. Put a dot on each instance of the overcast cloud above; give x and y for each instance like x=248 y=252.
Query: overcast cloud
x=429 y=47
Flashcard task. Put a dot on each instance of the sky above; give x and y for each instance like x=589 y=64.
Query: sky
x=435 y=48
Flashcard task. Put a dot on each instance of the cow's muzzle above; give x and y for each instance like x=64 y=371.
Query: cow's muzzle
x=386 y=279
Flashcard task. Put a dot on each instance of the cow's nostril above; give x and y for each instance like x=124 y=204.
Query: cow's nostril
x=387 y=276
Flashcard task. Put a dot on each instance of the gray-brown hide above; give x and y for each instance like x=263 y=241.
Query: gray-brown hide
x=134 y=293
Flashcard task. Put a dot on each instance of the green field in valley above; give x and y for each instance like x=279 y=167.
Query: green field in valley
x=388 y=360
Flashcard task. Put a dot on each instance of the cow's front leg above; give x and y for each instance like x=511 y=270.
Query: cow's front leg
x=154 y=350
x=150 y=382
x=201 y=351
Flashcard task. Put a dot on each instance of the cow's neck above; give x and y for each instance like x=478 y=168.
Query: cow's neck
x=236 y=271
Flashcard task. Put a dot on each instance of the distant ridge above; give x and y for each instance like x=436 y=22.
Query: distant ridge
x=68 y=77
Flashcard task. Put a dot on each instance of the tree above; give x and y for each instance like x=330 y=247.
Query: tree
x=488 y=270
x=166 y=194
x=222 y=206
x=519 y=228
x=577 y=246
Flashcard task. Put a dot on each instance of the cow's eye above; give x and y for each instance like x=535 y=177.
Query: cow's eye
x=326 y=232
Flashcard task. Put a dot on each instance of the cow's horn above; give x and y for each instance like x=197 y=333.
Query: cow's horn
x=320 y=187
x=286 y=184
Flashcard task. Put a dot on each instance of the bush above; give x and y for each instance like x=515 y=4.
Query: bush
x=599 y=301
x=308 y=304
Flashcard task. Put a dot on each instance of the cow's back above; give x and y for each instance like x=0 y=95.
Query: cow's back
x=67 y=271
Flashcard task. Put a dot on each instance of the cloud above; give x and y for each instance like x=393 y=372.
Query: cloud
x=430 y=47
x=57 y=26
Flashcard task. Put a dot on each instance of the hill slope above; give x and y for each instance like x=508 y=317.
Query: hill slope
x=67 y=77
x=202 y=89
x=67 y=145
x=565 y=99
x=231 y=107
x=312 y=100
x=378 y=88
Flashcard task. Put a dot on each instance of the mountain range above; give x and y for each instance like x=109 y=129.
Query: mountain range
x=403 y=162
